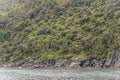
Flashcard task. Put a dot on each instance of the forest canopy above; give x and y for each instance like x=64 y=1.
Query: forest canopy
x=59 y=29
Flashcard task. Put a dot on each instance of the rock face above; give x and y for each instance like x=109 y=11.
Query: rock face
x=51 y=63
x=115 y=59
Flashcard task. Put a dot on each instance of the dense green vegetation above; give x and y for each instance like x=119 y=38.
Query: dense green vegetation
x=60 y=29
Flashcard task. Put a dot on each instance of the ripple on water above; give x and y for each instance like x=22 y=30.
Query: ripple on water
x=60 y=74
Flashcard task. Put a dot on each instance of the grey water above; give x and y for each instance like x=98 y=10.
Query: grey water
x=59 y=74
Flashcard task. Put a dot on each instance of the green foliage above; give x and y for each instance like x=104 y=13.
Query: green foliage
x=59 y=29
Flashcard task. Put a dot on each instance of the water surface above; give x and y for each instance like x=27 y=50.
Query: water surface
x=59 y=74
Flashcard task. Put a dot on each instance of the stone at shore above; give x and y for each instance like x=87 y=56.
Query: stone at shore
x=107 y=63
x=75 y=65
x=52 y=63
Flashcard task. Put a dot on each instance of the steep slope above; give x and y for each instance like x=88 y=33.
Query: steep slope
x=59 y=29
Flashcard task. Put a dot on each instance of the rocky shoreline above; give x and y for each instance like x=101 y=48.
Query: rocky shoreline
x=114 y=61
x=51 y=63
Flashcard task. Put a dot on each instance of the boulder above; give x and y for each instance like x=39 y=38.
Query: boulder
x=107 y=63
x=94 y=63
x=74 y=64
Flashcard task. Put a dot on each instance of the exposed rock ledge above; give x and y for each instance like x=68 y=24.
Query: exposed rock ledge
x=51 y=63
x=114 y=61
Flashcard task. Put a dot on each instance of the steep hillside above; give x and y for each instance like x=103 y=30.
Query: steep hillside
x=60 y=29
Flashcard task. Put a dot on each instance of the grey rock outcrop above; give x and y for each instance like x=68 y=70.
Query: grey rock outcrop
x=115 y=59
x=107 y=63
x=75 y=63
